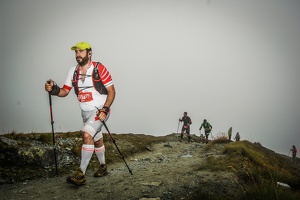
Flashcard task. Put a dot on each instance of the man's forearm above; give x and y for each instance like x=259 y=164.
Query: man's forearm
x=63 y=92
x=110 y=96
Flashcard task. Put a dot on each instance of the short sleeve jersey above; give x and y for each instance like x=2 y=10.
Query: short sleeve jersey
x=88 y=97
x=186 y=120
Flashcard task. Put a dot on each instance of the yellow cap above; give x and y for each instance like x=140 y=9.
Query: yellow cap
x=82 y=46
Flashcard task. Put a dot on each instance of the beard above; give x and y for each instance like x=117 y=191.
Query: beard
x=82 y=60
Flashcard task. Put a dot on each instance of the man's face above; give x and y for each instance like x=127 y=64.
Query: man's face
x=81 y=56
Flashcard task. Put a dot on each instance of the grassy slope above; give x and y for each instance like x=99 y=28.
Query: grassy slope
x=258 y=168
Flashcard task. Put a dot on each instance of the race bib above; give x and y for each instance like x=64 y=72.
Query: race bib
x=85 y=96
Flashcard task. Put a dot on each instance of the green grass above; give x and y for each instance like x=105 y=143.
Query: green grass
x=260 y=163
x=258 y=169
x=268 y=191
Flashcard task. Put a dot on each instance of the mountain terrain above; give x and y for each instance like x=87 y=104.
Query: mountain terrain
x=147 y=167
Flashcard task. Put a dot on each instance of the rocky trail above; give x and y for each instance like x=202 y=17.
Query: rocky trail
x=168 y=170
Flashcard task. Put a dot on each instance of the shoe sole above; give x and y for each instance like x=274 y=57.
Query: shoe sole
x=69 y=180
x=95 y=175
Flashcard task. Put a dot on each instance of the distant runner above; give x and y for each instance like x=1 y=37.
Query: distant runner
x=207 y=129
x=229 y=133
x=294 y=153
x=237 y=137
x=186 y=126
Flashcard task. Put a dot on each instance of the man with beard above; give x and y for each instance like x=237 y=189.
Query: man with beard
x=91 y=94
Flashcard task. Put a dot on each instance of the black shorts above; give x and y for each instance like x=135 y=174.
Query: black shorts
x=187 y=130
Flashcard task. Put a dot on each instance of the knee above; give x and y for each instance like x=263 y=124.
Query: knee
x=87 y=138
x=99 y=143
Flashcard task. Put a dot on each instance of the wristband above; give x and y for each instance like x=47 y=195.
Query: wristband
x=105 y=109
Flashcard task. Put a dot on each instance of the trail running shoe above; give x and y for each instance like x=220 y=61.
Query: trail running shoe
x=77 y=178
x=102 y=171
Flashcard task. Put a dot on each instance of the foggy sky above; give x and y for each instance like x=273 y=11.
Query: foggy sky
x=235 y=63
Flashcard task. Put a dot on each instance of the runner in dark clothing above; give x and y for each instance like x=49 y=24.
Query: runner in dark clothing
x=237 y=137
x=186 y=126
x=294 y=153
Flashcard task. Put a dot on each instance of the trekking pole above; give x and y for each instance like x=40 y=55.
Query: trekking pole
x=53 y=138
x=116 y=145
x=178 y=127
x=117 y=148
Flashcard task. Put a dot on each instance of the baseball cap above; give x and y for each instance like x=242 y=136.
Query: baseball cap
x=82 y=46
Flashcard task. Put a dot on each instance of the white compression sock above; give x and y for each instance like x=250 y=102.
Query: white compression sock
x=86 y=155
x=100 y=152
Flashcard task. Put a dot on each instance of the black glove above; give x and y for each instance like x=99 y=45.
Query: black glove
x=55 y=90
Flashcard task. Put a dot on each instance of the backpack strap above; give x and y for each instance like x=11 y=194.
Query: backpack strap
x=96 y=74
x=75 y=80
x=98 y=85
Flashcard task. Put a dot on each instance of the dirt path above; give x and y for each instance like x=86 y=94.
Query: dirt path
x=168 y=171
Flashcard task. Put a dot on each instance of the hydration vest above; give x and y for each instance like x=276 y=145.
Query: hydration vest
x=97 y=83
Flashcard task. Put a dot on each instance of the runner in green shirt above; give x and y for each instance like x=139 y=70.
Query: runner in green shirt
x=207 y=129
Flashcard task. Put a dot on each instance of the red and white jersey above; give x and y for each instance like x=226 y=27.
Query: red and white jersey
x=88 y=96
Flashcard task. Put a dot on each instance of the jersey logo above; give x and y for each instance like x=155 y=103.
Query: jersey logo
x=85 y=96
